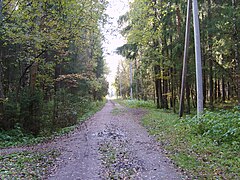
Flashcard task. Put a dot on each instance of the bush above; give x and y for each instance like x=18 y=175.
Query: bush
x=13 y=137
x=10 y=114
x=221 y=127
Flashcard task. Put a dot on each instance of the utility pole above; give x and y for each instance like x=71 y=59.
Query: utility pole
x=198 y=58
x=186 y=46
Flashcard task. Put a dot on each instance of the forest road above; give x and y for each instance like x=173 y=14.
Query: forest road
x=112 y=145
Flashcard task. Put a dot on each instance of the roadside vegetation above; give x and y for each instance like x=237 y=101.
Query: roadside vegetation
x=34 y=165
x=17 y=136
x=206 y=148
x=26 y=165
x=52 y=73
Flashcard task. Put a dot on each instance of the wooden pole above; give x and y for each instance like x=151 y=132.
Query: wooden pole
x=186 y=46
x=198 y=58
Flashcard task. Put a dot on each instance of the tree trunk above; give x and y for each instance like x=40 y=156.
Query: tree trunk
x=1 y=72
x=56 y=99
x=229 y=91
x=33 y=74
x=188 y=98
x=215 y=89
x=210 y=58
x=236 y=55
x=219 y=90
x=136 y=79
x=223 y=90
x=131 y=82
x=158 y=86
x=204 y=51
x=165 y=92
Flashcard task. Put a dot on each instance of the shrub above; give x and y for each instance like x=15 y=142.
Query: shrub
x=222 y=126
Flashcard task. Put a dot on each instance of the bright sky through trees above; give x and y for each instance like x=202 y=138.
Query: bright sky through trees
x=115 y=9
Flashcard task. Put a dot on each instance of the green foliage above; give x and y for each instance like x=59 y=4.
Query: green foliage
x=26 y=165
x=221 y=126
x=17 y=136
x=31 y=104
x=118 y=111
x=52 y=64
x=137 y=103
x=13 y=137
x=154 y=31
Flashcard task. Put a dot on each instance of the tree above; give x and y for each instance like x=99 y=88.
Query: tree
x=52 y=62
x=155 y=27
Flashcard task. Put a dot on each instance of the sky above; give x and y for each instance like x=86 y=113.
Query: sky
x=115 y=9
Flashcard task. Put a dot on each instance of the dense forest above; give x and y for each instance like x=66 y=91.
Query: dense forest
x=155 y=32
x=51 y=62
x=53 y=80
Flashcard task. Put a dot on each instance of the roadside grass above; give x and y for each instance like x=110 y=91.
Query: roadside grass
x=16 y=137
x=211 y=153
x=118 y=111
x=27 y=165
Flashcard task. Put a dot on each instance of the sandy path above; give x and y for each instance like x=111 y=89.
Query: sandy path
x=112 y=144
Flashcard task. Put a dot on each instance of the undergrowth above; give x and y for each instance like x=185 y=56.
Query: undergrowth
x=207 y=147
x=26 y=165
x=17 y=137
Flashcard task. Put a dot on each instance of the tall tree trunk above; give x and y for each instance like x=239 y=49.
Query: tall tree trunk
x=131 y=81
x=215 y=89
x=136 y=79
x=223 y=90
x=56 y=98
x=188 y=98
x=33 y=74
x=157 y=86
x=165 y=91
x=204 y=51
x=210 y=58
x=236 y=42
x=229 y=91
x=219 y=90
x=34 y=125
x=1 y=71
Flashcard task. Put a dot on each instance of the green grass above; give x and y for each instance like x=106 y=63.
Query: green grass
x=197 y=153
x=26 y=165
x=16 y=137
x=118 y=111
x=135 y=103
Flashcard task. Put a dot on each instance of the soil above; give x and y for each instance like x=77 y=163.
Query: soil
x=110 y=145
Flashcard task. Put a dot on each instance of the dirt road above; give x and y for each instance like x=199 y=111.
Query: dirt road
x=112 y=145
